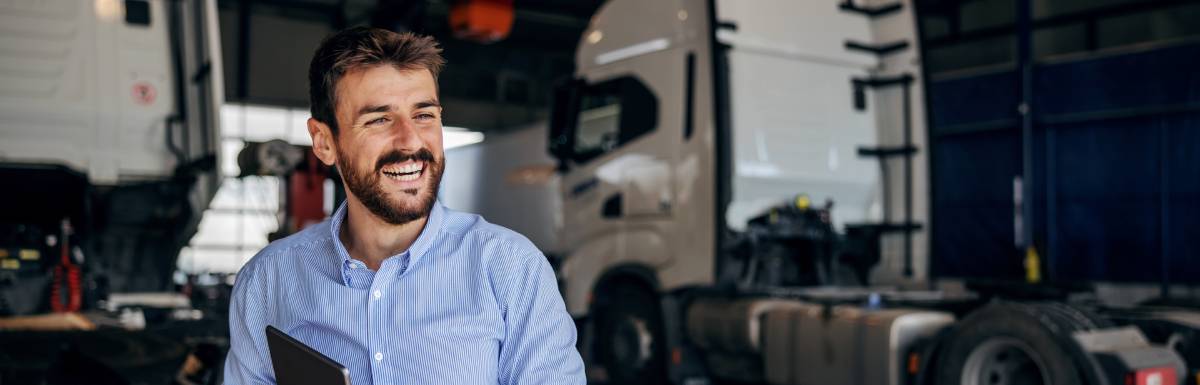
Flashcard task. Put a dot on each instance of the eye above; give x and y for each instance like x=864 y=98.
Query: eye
x=375 y=121
x=426 y=116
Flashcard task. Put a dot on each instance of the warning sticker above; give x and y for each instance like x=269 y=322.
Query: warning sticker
x=30 y=254
x=144 y=93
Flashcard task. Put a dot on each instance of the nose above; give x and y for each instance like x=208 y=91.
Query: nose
x=406 y=136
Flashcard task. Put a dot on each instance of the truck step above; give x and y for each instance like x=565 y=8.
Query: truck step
x=883 y=81
x=872 y=12
x=884 y=228
x=877 y=49
x=887 y=152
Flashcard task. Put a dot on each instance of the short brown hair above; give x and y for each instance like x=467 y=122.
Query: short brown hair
x=360 y=47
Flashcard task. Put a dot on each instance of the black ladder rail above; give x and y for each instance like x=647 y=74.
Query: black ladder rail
x=884 y=153
x=907 y=151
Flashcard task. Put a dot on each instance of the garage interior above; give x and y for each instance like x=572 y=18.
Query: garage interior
x=729 y=191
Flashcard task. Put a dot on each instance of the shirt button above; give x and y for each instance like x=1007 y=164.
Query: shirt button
x=378 y=294
x=353 y=265
x=378 y=356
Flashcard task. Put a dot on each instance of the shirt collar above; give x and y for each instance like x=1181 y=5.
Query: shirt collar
x=418 y=248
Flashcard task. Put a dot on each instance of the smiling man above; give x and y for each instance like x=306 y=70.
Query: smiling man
x=395 y=287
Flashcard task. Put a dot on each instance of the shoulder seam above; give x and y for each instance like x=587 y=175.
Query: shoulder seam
x=291 y=247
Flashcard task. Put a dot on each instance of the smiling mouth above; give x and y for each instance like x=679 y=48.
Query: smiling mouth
x=404 y=172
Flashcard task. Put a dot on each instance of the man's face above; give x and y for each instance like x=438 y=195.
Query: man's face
x=389 y=141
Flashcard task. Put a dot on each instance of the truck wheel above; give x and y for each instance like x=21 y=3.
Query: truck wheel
x=629 y=333
x=1009 y=344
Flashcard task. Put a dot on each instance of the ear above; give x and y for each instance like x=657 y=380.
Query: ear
x=322 y=140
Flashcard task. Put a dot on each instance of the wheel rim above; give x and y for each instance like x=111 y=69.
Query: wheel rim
x=1004 y=361
x=632 y=343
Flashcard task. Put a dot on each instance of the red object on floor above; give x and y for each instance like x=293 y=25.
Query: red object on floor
x=67 y=275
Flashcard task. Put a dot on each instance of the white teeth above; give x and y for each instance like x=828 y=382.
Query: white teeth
x=405 y=169
x=408 y=172
x=405 y=177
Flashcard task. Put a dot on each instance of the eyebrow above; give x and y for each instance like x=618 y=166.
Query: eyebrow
x=385 y=108
x=371 y=109
x=426 y=103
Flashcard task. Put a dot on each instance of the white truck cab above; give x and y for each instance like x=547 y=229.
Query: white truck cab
x=646 y=159
x=688 y=118
x=698 y=145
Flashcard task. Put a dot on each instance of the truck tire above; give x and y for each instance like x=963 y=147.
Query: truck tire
x=1013 y=344
x=629 y=335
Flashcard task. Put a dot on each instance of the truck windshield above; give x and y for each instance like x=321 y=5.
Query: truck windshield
x=599 y=124
x=611 y=114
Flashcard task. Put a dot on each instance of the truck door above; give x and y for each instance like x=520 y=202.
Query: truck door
x=633 y=133
x=619 y=184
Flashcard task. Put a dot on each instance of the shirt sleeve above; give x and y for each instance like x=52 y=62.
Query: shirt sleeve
x=248 y=361
x=539 y=341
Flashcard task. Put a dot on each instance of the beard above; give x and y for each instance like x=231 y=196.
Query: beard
x=411 y=204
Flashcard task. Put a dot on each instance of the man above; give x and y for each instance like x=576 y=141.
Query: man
x=394 y=286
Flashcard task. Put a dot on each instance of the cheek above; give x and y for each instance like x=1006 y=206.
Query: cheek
x=362 y=153
x=433 y=139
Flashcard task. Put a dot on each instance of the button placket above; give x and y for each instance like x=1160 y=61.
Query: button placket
x=380 y=282
x=383 y=279
x=372 y=336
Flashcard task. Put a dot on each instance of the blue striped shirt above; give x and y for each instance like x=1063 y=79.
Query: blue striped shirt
x=468 y=303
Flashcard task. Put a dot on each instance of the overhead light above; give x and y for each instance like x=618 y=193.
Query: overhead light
x=595 y=37
x=453 y=137
x=109 y=10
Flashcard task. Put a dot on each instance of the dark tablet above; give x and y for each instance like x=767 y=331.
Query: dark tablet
x=297 y=364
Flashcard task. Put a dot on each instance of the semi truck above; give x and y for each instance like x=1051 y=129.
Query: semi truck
x=109 y=138
x=740 y=203
x=111 y=124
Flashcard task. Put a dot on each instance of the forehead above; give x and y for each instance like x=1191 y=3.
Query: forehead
x=384 y=84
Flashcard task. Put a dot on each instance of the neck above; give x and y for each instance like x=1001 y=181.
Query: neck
x=370 y=239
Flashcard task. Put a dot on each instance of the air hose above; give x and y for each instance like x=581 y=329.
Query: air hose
x=66 y=274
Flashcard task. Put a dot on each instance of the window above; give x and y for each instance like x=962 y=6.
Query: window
x=137 y=12
x=611 y=114
x=245 y=210
x=599 y=124
x=970 y=34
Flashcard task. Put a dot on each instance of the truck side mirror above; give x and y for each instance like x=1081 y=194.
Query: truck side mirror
x=564 y=116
